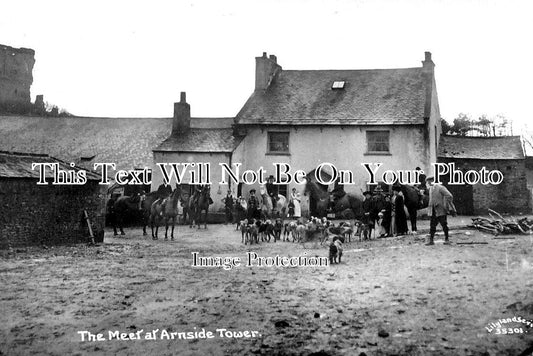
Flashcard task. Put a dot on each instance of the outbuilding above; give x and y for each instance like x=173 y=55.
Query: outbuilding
x=505 y=154
x=44 y=214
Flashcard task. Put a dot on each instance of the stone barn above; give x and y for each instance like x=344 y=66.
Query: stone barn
x=505 y=154
x=47 y=214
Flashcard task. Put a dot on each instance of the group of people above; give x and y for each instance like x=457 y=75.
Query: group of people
x=385 y=212
x=251 y=208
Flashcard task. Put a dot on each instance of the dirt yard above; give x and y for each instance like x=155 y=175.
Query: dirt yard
x=387 y=297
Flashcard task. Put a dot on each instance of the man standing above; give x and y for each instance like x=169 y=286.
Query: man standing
x=228 y=207
x=272 y=190
x=440 y=200
x=111 y=218
x=253 y=206
x=368 y=214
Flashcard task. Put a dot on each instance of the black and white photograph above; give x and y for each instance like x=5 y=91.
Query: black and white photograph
x=266 y=177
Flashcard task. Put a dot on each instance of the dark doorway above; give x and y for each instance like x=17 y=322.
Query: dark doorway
x=463 y=197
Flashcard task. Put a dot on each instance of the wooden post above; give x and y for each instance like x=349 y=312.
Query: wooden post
x=89 y=226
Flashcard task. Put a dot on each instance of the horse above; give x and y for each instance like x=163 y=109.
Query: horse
x=412 y=202
x=146 y=205
x=170 y=211
x=196 y=206
x=156 y=212
x=123 y=205
x=322 y=198
x=349 y=201
x=267 y=207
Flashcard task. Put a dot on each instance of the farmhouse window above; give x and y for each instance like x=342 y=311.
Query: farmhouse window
x=377 y=141
x=278 y=142
x=338 y=85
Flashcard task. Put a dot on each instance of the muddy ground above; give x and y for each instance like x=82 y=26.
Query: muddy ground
x=388 y=297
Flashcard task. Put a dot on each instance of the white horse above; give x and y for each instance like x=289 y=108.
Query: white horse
x=267 y=208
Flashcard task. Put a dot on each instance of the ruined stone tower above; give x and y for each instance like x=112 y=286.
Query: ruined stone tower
x=16 y=66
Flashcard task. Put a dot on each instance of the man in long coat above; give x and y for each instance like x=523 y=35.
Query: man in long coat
x=253 y=206
x=440 y=201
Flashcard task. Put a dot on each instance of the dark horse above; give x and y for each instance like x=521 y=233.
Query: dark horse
x=322 y=198
x=413 y=203
x=123 y=206
x=197 y=203
x=147 y=202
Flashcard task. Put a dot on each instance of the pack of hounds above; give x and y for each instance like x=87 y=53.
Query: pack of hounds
x=314 y=229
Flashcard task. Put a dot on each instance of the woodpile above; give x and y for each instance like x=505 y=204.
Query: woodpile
x=497 y=224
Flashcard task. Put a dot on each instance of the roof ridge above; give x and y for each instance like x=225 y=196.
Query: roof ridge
x=346 y=70
x=483 y=137
x=28 y=154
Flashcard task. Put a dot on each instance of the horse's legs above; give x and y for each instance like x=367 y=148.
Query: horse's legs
x=156 y=223
x=166 y=228
x=114 y=223
x=412 y=215
x=145 y=222
x=120 y=224
x=172 y=231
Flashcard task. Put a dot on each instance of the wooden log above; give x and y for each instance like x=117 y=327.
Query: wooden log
x=473 y=243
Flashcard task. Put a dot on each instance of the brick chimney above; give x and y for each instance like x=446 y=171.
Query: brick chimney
x=265 y=70
x=182 y=116
x=427 y=64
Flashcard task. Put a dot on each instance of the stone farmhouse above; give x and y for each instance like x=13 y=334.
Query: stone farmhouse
x=344 y=117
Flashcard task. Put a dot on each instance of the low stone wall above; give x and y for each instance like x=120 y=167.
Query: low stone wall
x=34 y=214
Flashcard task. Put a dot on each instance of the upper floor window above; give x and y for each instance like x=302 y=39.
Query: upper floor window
x=278 y=142
x=338 y=84
x=377 y=141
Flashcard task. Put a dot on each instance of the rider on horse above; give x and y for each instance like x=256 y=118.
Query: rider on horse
x=272 y=190
x=163 y=192
x=338 y=191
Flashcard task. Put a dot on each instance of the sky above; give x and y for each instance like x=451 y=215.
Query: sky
x=133 y=58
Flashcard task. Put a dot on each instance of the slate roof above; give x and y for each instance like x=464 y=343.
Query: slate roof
x=19 y=165
x=369 y=97
x=201 y=140
x=505 y=147
x=128 y=142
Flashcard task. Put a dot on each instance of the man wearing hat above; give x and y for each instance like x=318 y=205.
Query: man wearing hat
x=338 y=191
x=379 y=201
x=228 y=207
x=421 y=187
x=253 y=206
x=368 y=213
x=440 y=199
x=399 y=218
x=272 y=190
